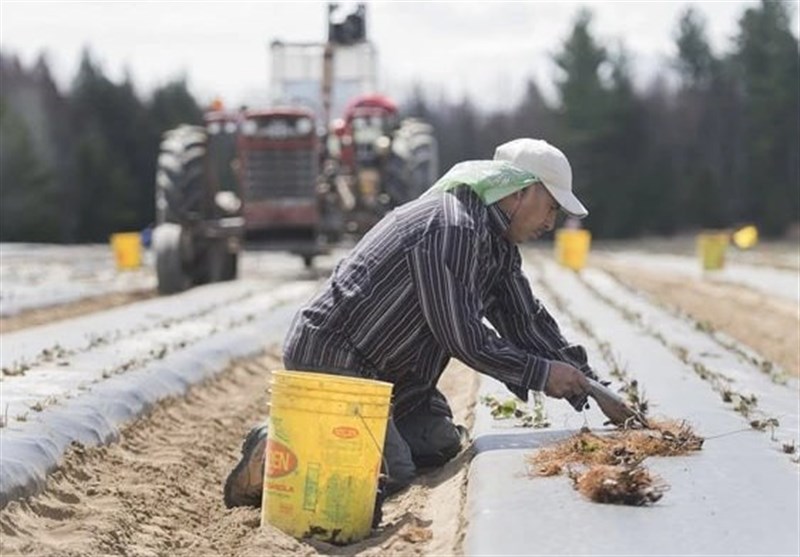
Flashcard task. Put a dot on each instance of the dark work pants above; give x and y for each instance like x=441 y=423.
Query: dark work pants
x=418 y=439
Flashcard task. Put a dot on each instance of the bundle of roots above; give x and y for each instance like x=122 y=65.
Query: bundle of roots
x=608 y=468
x=619 y=485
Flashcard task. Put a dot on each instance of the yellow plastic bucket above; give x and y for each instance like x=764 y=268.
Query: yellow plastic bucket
x=127 y=247
x=711 y=249
x=572 y=247
x=745 y=237
x=324 y=451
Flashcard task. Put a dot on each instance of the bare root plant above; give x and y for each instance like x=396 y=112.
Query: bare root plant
x=620 y=485
x=608 y=468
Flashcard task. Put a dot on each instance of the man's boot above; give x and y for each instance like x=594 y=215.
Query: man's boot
x=246 y=482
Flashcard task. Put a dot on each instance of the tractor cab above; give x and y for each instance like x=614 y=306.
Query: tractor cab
x=370 y=120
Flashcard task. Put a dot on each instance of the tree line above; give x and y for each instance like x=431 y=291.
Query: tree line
x=80 y=165
x=717 y=147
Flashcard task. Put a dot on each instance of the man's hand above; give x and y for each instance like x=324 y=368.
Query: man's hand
x=566 y=381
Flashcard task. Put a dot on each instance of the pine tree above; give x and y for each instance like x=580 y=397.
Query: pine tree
x=768 y=64
x=601 y=130
x=105 y=116
x=28 y=201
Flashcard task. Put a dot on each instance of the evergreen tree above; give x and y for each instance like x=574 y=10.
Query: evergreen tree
x=768 y=64
x=105 y=117
x=601 y=130
x=87 y=159
x=581 y=91
x=660 y=195
x=695 y=61
x=625 y=146
x=697 y=133
x=28 y=201
x=172 y=105
x=532 y=117
x=33 y=174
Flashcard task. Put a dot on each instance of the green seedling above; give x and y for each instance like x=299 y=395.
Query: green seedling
x=586 y=446
x=17 y=368
x=702 y=371
x=635 y=399
x=745 y=406
x=501 y=410
x=55 y=353
x=704 y=326
x=492 y=403
x=682 y=353
x=511 y=409
x=540 y=420
x=762 y=425
x=96 y=340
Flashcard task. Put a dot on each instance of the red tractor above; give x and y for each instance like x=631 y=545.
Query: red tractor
x=252 y=176
x=381 y=161
x=285 y=178
x=278 y=163
x=199 y=221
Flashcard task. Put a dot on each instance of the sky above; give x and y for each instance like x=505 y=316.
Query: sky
x=485 y=50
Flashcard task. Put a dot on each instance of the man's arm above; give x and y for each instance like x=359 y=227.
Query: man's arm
x=443 y=267
x=523 y=319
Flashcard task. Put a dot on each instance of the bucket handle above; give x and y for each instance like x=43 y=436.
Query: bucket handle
x=375 y=441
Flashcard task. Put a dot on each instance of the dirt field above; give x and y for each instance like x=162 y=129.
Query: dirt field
x=768 y=325
x=40 y=316
x=779 y=254
x=159 y=490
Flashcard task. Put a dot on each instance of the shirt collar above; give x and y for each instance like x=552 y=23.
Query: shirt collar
x=498 y=219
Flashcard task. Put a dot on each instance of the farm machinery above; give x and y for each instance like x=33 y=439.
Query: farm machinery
x=319 y=166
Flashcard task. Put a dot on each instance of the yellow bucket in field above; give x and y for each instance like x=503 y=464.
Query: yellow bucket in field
x=711 y=249
x=745 y=237
x=572 y=247
x=324 y=452
x=127 y=247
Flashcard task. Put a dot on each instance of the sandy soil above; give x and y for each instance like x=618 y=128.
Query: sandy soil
x=49 y=314
x=158 y=491
x=780 y=254
x=770 y=326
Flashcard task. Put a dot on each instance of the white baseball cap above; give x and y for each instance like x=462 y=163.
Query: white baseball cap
x=549 y=164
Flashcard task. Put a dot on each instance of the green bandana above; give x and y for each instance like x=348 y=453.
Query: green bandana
x=491 y=180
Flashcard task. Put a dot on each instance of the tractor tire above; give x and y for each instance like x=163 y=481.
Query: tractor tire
x=413 y=164
x=182 y=184
x=220 y=264
x=170 y=259
x=231 y=269
x=183 y=200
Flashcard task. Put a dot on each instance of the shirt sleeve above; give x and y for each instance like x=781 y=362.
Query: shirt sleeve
x=444 y=269
x=522 y=318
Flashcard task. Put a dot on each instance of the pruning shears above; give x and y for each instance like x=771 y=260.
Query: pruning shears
x=614 y=407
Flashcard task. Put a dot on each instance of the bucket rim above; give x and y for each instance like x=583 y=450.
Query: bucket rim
x=288 y=374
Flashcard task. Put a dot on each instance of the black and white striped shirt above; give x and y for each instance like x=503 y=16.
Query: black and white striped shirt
x=413 y=293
